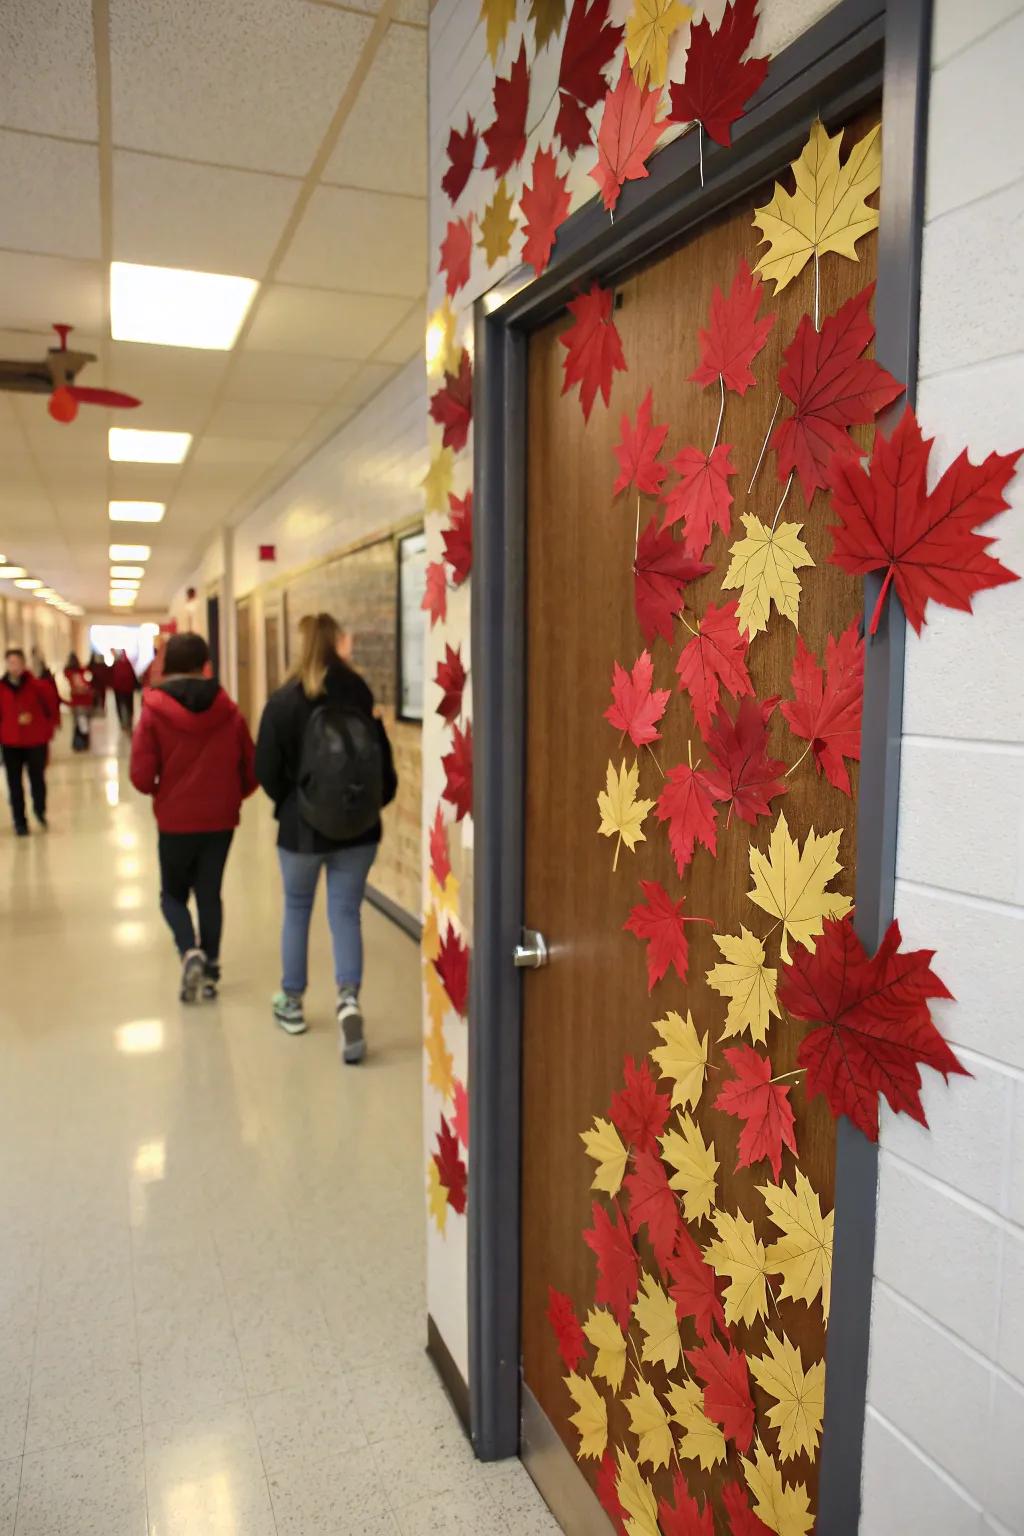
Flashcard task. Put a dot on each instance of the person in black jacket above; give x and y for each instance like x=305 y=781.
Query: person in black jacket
x=323 y=676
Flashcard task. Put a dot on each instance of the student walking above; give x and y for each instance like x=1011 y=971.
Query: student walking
x=79 y=681
x=27 y=721
x=193 y=753
x=324 y=759
x=100 y=683
x=124 y=683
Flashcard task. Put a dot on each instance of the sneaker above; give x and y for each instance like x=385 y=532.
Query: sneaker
x=351 y=1041
x=288 y=1013
x=21 y=829
x=211 y=981
x=193 y=964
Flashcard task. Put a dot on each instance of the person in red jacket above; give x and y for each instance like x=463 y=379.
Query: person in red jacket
x=193 y=753
x=27 y=721
x=79 y=681
x=124 y=683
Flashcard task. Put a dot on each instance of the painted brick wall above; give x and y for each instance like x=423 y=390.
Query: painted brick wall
x=946 y=1395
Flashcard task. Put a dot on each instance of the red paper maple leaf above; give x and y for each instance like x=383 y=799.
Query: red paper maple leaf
x=684 y=1516
x=593 y=350
x=606 y=1488
x=506 y=137
x=450 y=1167
x=826 y=708
x=452 y=965
x=637 y=451
x=701 y=496
x=924 y=541
x=460 y=1112
x=571 y=1340
x=653 y=1204
x=591 y=42
x=440 y=863
x=742 y=1520
x=544 y=204
x=762 y=1105
x=639 y=1111
x=458 y=772
x=686 y=802
x=461 y=153
x=635 y=707
x=661 y=570
x=435 y=596
x=715 y=657
x=630 y=128
x=832 y=389
x=661 y=925
x=875 y=1024
x=456 y=254
x=618 y=1269
x=744 y=774
x=452 y=405
x=735 y=333
x=458 y=537
x=717 y=85
x=726 y=1381
x=695 y=1289
x=451 y=679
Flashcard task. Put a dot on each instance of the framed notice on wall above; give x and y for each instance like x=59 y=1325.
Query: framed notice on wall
x=412 y=579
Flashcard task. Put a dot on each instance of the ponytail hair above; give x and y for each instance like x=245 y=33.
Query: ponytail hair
x=319 y=634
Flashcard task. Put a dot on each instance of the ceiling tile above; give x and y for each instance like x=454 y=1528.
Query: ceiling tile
x=49 y=196
x=169 y=213
x=250 y=83
x=407 y=340
x=237 y=450
x=47 y=41
x=36 y=290
x=143 y=482
x=413 y=12
x=277 y=376
x=371 y=377
x=243 y=418
x=146 y=371
x=383 y=145
x=370 y=241
x=166 y=413
x=311 y=320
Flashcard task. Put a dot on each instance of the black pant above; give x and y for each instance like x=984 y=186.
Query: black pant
x=194 y=862
x=16 y=760
x=125 y=708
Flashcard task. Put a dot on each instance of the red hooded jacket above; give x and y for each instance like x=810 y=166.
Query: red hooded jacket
x=193 y=753
x=27 y=717
x=121 y=676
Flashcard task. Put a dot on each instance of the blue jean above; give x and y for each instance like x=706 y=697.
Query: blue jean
x=347 y=872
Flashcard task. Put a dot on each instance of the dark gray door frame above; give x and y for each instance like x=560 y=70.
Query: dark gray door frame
x=858 y=53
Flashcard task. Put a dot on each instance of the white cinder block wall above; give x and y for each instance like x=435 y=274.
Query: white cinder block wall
x=944 y=1451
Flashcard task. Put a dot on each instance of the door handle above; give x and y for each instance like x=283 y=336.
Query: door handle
x=532 y=953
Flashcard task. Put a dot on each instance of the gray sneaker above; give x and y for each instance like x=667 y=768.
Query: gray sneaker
x=193 y=968
x=351 y=1041
x=289 y=1014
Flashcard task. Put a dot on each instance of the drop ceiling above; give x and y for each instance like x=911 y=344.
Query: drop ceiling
x=283 y=140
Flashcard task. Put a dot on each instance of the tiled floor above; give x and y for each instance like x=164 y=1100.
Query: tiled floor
x=211 y=1235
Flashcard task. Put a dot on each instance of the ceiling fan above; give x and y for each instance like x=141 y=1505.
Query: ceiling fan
x=55 y=376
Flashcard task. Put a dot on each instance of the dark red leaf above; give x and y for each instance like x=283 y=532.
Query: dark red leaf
x=686 y=802
x=457 y=254
x=572 y=1341
x=450 y=1167
x=452 y=966
x=695 y=1289
x=742 y=1520
x=726 y=1381
x=717 y=85
x=762 y=1105
x=826 y=709
x=458 y=772
x=661 y=571
x=744 y=775
x=653 y=1204
x=591 y=42
x=593 y=350
x=506 y=137
x=458 y=537
x=461 y=153
x=451 y=679
x=735 y=334
x=715 y=657
x=658 y=922
x=618 y=1269
x=701 y=496
x=684 y=1516
x=544 y=204
x=440 y=863
x=637 y=451
x=452 y=405
x=639 y=1111
x=608 y=1493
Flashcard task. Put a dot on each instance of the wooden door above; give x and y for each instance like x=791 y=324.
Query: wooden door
x=272 y=643
x=243 y=658
x=590 y=1009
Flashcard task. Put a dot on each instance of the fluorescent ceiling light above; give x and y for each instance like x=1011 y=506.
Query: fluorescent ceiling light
x=44 y=592
x=122 y=599
x=130 y=445
x=129 y=552
x=127 y=570
x=176 y=308
x=119 y=584
x=29 y=583
x=9 y=572
x=136 y=511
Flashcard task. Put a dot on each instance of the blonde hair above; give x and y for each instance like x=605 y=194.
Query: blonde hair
x=319 y=634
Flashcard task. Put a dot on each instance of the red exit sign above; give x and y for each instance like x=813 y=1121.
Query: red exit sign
x=268 y=551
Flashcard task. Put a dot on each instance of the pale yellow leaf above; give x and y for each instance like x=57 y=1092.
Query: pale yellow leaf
x=649 y=1422
x=695 y=1164
x=497 y=226
x=440 y=348
x=747 y=982
x=447 y=895
x=764 y=566
x=799 y=1395
x=702 y=1441
x=637 y=1498
x=683 y=1057
x=430 y=938
x=604 y=1145
x=622 y=814
x=590 y=1418
x=437 y=481
x=655 y=1311
x=649 y=28
x=437 y=1199
x=789 y=883
x=439 y=1061
x=499 y=16
x=738 y=1253
x=803 y=1255
x=827 y=212
x=608 y=1339
x=786 y=1511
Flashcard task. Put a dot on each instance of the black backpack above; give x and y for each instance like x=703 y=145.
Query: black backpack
x=341 y=782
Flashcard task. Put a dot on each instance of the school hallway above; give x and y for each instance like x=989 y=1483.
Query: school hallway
x=212 y=1312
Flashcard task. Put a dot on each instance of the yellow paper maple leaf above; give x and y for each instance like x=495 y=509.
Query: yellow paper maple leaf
x=497 y=226
x=604 y=1145
x=786 y=1511
x=622 y=814
x=655 y=1311
x=609 y=1340
x=738 y=1253
x=827 y=212
x=764 y=566
x=437 y=1198
x=683 y=1057
x=430 y=938
x=447 y=895
x=803 y=1254
x=439 y=345
x=437 y=481
x=702 y=1440
x=637 y=1498
x=439 y=1062
x=649 y=1422
x=649 y=27
x=789 y=883
x=747 y=982
x=695 y=1164
x=590 y=1418
x=499 y=16
x=437 y=997
x=547 y=17
x=799 y=1395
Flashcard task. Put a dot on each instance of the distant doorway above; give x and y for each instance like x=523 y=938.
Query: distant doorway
x=136 y=640
x=213 y=631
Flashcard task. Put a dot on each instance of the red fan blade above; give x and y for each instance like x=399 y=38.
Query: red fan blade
x=88 y=396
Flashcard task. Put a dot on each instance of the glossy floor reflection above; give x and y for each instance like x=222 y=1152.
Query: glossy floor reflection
x=211 y=1235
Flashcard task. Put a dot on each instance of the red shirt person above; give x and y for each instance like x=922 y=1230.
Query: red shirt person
x=124 y=683
x=27 y=721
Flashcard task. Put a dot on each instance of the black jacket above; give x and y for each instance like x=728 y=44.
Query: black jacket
x=279 y=751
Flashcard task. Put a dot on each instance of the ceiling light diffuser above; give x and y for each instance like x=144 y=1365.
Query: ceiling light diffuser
x=172 y=307
x=122 y=599
x=119 y=584
x=136 y=511
x=9 y=572
x=131 y=445
x=129 y=551
x=29 y=583
x=127 y=570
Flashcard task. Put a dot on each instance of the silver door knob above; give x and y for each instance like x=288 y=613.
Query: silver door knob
x=532 y=953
